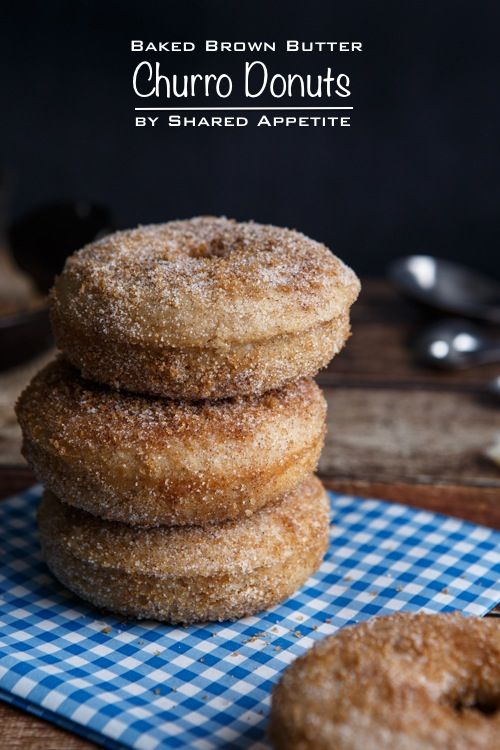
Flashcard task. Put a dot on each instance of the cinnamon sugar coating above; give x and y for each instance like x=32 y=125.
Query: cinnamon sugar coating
x=203 y=308
x=147 y=461
x=204 y=373
x=411 y=682
x=188 y=574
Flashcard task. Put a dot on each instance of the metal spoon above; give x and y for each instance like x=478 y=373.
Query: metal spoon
x=447 y=286
x=456 y=344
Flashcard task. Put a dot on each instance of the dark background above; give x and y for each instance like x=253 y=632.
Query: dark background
x=417 y=170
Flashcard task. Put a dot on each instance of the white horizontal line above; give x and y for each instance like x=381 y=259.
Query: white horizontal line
x=229 y=109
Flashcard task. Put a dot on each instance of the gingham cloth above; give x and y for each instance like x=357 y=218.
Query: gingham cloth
x=147 y=686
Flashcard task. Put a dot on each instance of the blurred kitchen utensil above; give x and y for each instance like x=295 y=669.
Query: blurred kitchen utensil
x=17 y=290
x=23 y=335
x=24 y=324
x=447 y=287
x=38 y=244
x=42 y=239
x=456 y=344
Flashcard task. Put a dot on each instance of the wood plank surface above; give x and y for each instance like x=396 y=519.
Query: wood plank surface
x=379 y=352
x=421 y=436
x=23 y=731
x=396 y=431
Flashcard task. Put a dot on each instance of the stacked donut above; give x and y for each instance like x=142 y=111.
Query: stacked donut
x=178 y=432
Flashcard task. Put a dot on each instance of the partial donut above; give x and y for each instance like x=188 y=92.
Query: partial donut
x=188 y=574
x=155 y=461
x=203 y=308
x=411 y=682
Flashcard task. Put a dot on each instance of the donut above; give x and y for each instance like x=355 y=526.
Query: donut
x=205 y=308
x=147 y=461
x=186 y=574
x=409 y=681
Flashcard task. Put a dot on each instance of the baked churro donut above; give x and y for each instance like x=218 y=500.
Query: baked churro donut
x=204 y=308
x=412 y=682
x=191 y=573
x=156 y=461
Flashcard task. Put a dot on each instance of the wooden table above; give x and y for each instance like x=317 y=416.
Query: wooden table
x=395 y=431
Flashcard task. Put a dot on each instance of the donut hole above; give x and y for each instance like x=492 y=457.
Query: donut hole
x=214 y=248
x=223 y=247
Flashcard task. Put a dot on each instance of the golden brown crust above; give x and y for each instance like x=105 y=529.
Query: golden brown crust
x=205 y=308
x=188 y=574
x=154 y=461
x=412 y=682
x=204 y=373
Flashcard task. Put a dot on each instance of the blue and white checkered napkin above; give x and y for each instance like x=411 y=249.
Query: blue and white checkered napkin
x=147 y=685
